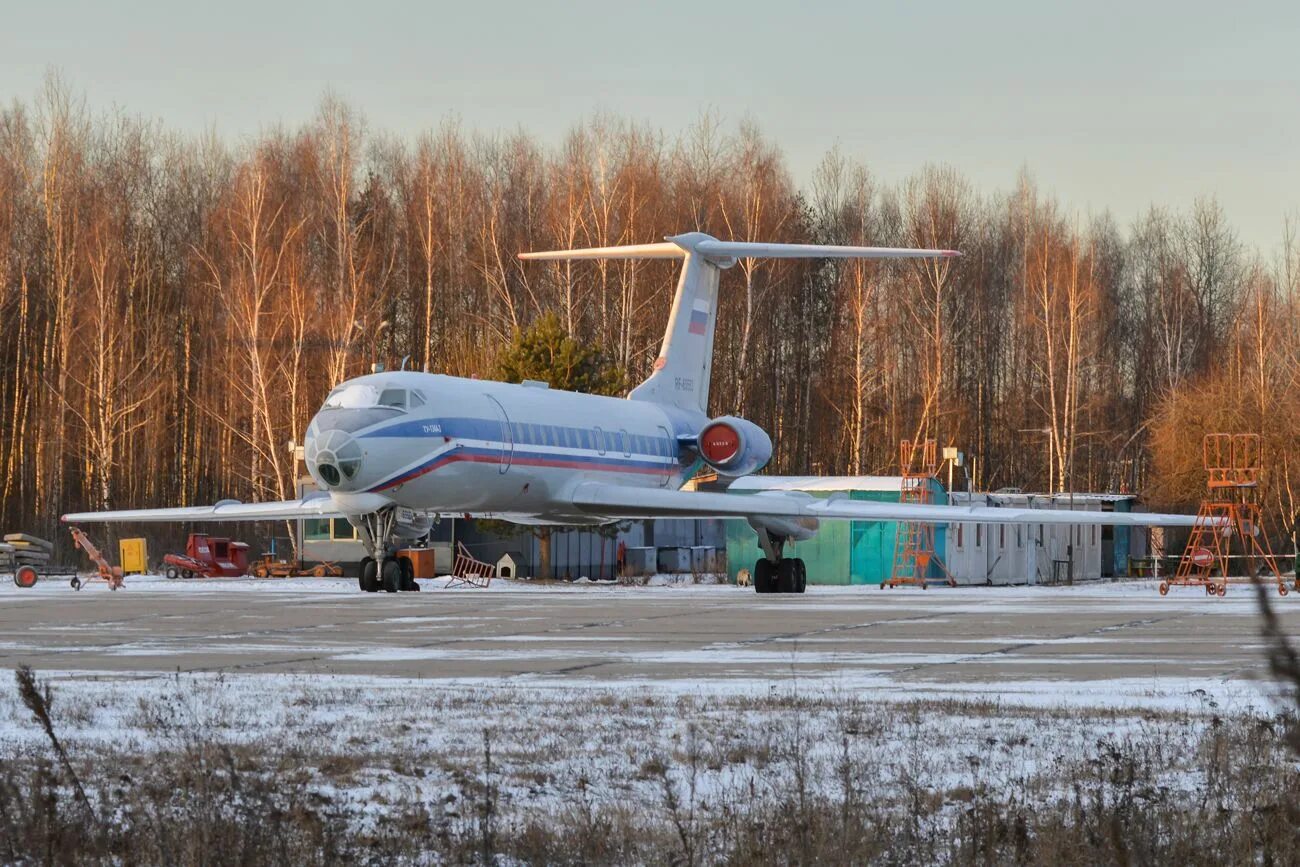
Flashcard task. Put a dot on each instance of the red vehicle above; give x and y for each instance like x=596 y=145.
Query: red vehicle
x=208 y=557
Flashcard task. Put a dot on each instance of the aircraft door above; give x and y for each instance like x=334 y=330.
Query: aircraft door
x=507 y=437
x=666 y=454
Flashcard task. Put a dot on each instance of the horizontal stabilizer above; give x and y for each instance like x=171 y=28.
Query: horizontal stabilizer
x=725 y=253
x=631 y=251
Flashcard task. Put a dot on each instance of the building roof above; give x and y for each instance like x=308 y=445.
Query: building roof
x=1076 y=498
x=817 y=483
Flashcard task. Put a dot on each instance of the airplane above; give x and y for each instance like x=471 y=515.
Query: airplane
x=393 y=451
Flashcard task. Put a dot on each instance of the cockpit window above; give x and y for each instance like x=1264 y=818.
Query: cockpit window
x=417 y=399
x=363 y=396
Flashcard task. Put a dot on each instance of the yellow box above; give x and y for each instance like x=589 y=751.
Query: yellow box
x=135 y=556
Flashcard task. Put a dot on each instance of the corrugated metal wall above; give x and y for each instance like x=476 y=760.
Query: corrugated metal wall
x=842 y=552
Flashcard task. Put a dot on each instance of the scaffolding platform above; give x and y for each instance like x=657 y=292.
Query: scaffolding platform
x=1231 y=509
x=914 y=546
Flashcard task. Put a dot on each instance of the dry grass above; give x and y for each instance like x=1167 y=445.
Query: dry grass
x=716 y=780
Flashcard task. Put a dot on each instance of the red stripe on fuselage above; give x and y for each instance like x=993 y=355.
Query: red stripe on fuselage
x=519 y=460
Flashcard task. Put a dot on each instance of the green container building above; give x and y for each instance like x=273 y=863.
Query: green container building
x=842 y=552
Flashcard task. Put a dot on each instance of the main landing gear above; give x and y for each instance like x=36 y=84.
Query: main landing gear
x=382 y=570
x=788 y=575
x=774 y=573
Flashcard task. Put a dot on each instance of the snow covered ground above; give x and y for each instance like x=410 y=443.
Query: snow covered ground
x=593 y=694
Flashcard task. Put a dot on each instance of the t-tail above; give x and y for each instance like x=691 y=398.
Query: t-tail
x=682 y=370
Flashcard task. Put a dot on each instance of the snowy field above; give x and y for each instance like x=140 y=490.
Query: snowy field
x=563 y=701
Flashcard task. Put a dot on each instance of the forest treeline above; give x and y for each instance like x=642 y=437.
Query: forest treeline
x=175 y=307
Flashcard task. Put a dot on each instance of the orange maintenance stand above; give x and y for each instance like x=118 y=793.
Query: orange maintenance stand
x=1231 y=508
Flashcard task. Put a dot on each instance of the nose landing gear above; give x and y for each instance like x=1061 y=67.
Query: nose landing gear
x=392 y=575
x=382 y=570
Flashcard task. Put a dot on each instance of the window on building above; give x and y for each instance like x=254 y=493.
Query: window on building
x=1002 y=535
x=316 y=529
x=343 y=530
x=961 y=536
x=979 y=535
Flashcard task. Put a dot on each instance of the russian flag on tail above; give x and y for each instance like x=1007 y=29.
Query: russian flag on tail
x=699 y=316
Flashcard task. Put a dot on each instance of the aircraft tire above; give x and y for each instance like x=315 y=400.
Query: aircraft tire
x=368 y=576
x=787 y=575
x=763 y=578
x=391 y=575
x=801 y=575
x=408 y=574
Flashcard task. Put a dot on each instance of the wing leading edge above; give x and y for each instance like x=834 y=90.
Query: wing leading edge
x=317 y=506
x=617 y=502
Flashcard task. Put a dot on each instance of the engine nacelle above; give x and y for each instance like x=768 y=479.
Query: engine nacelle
x=734 y=446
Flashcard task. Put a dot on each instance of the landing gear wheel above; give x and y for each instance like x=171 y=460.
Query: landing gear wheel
x=763 y=576
x=391 y=575
x=786 y=575
x=1164 y=588
x=368 y=576
x=25 y=577
x=76 y=583
x=172 y=573
x=801 y=576
x=408 y=574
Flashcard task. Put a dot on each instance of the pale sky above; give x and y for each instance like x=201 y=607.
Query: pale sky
x=1110 y=105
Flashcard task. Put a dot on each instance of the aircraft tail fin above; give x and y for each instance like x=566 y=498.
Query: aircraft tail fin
x=682 y=371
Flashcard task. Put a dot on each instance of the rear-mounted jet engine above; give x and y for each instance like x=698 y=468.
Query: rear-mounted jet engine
x=733 y=446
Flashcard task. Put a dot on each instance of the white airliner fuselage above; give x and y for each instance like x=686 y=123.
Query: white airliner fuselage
x=422 y=441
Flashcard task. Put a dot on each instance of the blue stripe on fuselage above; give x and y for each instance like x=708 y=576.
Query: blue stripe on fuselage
x=524 y=434
x=525 y=457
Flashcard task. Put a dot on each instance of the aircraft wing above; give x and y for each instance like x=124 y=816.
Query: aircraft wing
x=617 y=502
x=313 y=506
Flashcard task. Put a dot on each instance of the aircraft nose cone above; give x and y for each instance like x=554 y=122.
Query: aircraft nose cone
x=333 y=459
